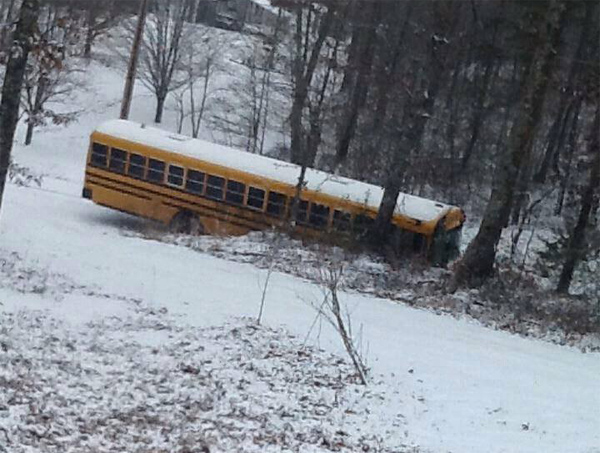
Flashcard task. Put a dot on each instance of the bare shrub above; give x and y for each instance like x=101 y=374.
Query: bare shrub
x=332 y=310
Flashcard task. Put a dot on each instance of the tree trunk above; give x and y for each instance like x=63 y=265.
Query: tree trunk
x=29 y=133
x=569 y=152
x=478 y=111
x=576 y=247
x=478 y=261
x=359 y=87
x=557 y=132
x=89 y=35
x=13 y=82
x=160 y=106
x=38 y=105
x=198 y=122
x=304 y=66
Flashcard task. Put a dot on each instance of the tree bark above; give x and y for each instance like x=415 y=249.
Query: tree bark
x=29 y=134
x=160 y=106
x=557 y=131
x=576 y=246
x=89 y=35
x=13 y=82
x=569 y=152
x=478 y=261
x=304 y=66
x=366 y=39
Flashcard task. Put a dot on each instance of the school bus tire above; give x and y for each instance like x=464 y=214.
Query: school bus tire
x=186 y=222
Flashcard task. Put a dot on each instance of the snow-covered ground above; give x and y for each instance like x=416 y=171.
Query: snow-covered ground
x=109 y=341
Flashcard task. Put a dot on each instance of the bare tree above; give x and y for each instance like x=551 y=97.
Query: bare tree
x=163 y=40
x=576 y=244
x=333 y=311
x=479 y=258
x=48 y=77
x=312 y=27
x=202 y=63
x=23 y=37
x=99 y=19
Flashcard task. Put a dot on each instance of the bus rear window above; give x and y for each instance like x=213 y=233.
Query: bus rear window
x=156 y=171
x=175 y=176
x=235 y=192
x=194 y=182
x=276 y=203
x=137 y=165
x=214 y=187
x=319 y=216
x=118 y=159
x=99 y=155
x=256 y=198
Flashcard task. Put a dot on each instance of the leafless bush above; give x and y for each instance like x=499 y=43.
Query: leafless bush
x=333 y=311
x=23 y=176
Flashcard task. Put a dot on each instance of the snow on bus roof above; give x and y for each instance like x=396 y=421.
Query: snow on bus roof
x=318 y=181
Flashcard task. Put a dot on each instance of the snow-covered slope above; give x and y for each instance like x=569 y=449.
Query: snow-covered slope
x=70 y=274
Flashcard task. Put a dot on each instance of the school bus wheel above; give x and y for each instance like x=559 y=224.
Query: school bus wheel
x=187 y=222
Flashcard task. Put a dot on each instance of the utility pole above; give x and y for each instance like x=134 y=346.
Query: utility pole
x=133 y=59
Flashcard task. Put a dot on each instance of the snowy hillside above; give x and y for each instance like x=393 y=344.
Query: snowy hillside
x=110 y=341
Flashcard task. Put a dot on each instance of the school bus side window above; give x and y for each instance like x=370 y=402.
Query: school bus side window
x=276 y=203
x=194 y=182
x=175 y=176
x=235 y=192
x=118 y=159
x=137 y=165
x=362 y=224
x=319 y=216
x=156 y=171
x=302 y=214
x=99 y=155
x=341 y=220
x=214 y=187
x=256 y=198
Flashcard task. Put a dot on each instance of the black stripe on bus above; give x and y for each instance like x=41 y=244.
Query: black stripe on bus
x=245 y=208
x=181 y=191
x=214 y=214
x=210 y=208
x=128 y=192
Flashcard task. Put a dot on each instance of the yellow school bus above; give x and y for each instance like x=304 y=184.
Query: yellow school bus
x=201 y=187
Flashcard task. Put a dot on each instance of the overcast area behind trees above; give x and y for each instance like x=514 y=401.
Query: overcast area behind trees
x=489 y=105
